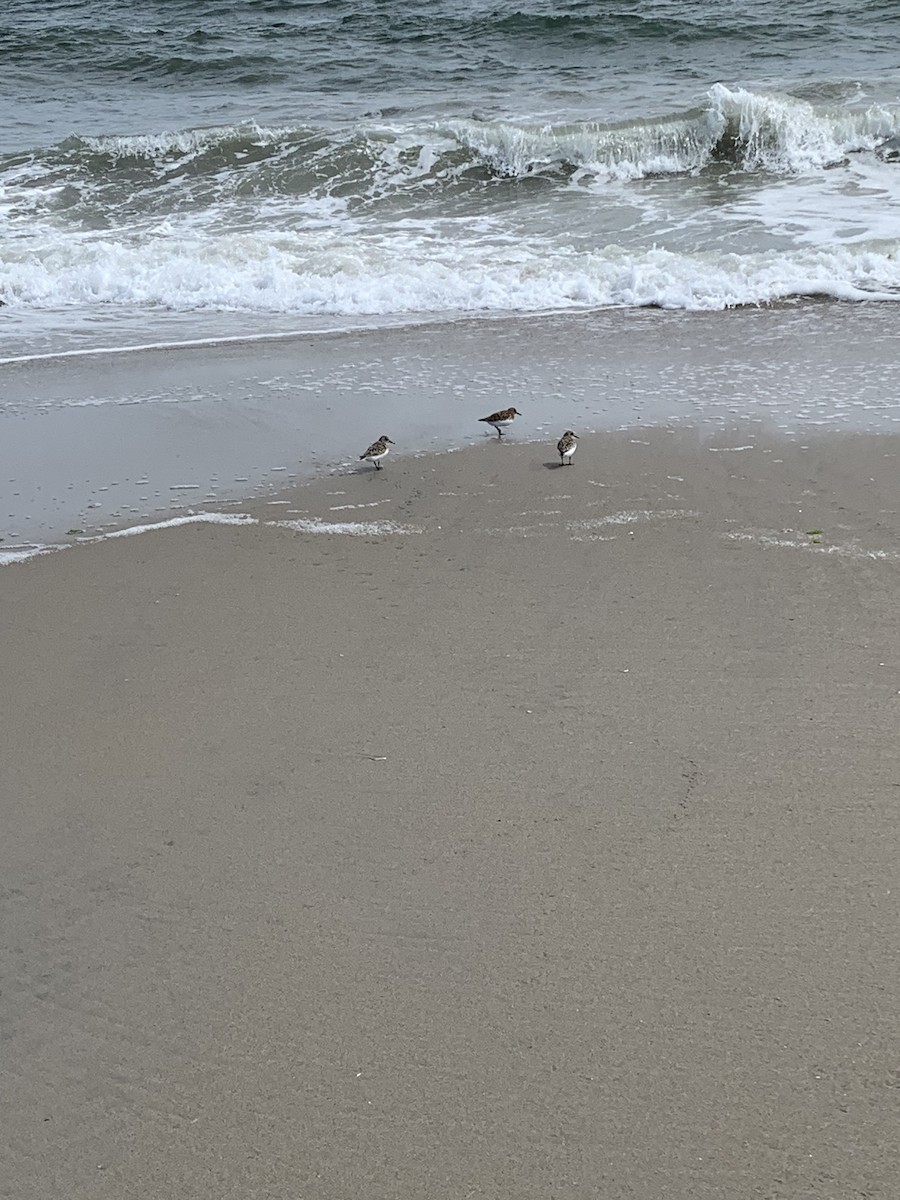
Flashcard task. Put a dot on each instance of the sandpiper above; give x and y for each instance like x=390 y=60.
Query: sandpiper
x=567 y=445
x=501 y=419
x=377 y=451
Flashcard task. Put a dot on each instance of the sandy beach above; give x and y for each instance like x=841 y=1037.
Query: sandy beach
x=539 y=841
x=479 y=826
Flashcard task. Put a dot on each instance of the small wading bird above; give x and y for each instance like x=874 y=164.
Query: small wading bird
x=501 y=419
x=377 y=451
x=567 y=445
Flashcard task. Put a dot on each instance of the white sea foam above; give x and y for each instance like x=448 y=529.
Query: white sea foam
x=203 y=518
x=294 y=274
x=20 y=554
x=314 y=525
x=353 y=528
x=632 y=517
x=790 y=540
x=17 y=554
x=368 y=504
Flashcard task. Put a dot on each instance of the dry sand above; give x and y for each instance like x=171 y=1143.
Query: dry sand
x=547 y=852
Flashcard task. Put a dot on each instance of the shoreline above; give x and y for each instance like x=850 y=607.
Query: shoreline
x=340 y=503
x=124 y=437
x=426 y=321
x=542 y=843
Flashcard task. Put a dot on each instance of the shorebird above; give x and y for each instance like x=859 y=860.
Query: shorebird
x=567 y=445
x=377 y=450
x=501 y=419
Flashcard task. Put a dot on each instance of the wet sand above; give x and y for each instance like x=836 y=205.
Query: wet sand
x=105 y=440
x=544 y=844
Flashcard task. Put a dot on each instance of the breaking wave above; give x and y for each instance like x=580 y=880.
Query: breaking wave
x=457 y=216
x=276 y=274
x=751 y=131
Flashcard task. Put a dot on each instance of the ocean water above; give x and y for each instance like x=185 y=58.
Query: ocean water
x=188 y=169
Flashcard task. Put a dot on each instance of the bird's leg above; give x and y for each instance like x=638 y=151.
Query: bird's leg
x=377 y=465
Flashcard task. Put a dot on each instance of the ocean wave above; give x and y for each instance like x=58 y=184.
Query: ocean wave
x=767 y=132
x=782 y=134
x=460 y=216
x=230 y=143
x=280 y=274
x=750 y=131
